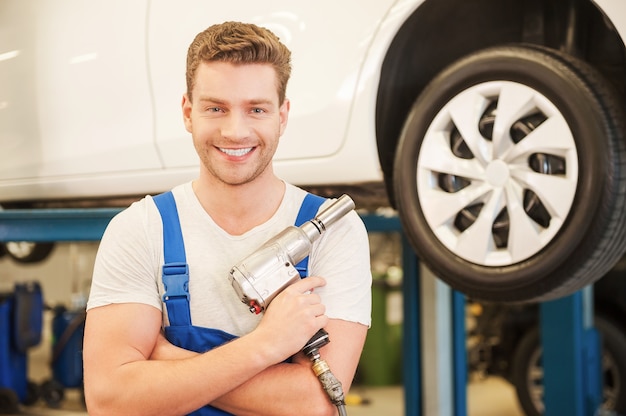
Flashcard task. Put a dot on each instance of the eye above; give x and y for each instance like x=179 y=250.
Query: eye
x=258 y=110
x=213 y=109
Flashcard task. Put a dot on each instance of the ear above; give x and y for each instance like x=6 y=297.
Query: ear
x=186 y=107
x=284 y=115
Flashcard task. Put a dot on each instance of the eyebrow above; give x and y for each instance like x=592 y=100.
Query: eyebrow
x=254 y=101
x=211 y=100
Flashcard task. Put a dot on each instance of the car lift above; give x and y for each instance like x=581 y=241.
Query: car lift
x=435 y=367
x=432 y=386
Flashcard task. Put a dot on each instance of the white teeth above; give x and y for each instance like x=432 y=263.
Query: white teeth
x=236 y=152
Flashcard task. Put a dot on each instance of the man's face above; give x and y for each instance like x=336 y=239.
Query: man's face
x=235 y=120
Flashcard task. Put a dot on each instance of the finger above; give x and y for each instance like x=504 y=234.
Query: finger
x=313 y=298
x=318 y=309
x=308 y=284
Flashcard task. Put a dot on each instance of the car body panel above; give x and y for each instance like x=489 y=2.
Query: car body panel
x=616 y=9
x=96 y=108
x=77 y=111
x=104 y=117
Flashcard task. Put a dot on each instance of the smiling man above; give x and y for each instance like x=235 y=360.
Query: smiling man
x=148 y=350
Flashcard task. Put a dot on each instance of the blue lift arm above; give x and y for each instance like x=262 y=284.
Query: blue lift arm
x=42 y=225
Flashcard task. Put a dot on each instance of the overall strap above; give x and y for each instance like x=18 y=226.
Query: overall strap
x=175 y=270
x=308 y=210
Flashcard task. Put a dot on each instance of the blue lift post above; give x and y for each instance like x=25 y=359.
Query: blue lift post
x=572 y=373
x=571 y=347
x=411 y=314
x=411 y=341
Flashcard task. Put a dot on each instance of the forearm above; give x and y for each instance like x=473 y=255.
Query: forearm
x=289 y=388
x=283 y=389
x=173 y=387
x=286 y=388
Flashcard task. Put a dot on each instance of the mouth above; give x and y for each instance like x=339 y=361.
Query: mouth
x=236 y=152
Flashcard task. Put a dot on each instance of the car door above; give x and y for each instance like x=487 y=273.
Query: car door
x=75 y=97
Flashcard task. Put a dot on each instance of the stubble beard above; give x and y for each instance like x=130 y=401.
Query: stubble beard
x=235 y=175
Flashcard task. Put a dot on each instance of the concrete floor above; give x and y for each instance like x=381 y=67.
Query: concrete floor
x=489 y=397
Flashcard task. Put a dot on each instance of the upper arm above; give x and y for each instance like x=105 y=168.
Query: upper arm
x=117 y=334
x=343 y=259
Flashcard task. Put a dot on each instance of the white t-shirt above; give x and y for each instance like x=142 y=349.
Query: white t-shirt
x=130 y=257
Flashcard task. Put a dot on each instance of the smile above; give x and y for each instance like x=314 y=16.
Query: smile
x=236 y=152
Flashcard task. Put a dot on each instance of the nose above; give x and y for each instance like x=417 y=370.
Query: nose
x=235 y=126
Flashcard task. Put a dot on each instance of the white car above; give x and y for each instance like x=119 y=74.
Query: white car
x=496 y=127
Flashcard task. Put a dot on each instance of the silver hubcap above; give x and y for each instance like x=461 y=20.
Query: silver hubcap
x=497 y=173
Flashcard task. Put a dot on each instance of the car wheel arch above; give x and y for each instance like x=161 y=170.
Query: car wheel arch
x=409 y=65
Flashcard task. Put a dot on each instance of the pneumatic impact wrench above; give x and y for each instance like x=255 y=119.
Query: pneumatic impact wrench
x=265 y=273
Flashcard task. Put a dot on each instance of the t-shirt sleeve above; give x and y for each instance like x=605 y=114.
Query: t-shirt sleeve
x=342 y=257
x=126 y=268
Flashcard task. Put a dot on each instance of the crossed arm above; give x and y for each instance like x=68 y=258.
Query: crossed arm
x=131 y=369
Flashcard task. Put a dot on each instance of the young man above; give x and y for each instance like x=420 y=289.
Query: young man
x=235 y=109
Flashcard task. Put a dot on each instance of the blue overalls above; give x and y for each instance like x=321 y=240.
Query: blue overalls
x=181 y=332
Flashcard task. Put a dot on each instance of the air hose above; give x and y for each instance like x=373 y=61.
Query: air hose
x=330 y=383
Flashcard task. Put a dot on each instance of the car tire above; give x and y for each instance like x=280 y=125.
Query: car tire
x=53 y=393
x=527 y=374
x=32 y=393
x=28 y=252
x=510 y=173
x=9 y=402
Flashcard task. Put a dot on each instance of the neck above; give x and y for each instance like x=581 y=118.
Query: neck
x=237 y=209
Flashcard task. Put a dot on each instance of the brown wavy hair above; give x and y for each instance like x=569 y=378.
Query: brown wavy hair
x=239 y=43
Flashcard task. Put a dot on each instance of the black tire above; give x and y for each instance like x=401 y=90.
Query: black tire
x=9 y=402
x=542 y=218
x=28 y=252
x=53 y=393
x=32 y=393
x=527 y=375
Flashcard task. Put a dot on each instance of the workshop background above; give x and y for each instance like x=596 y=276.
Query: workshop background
x=501 y=339
x=494 y=128
x=65 y=276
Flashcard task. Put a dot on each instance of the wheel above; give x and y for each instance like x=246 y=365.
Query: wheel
x=28 y=252
x=613 y=365
x=527 y=373
x=9 y=402
x=509 y=174
x=32 y=394
x=53 y=393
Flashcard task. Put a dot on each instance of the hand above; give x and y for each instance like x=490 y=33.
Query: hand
x=294 y=316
